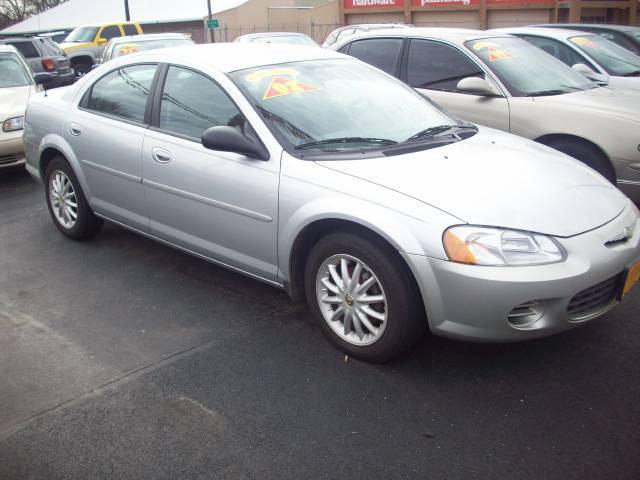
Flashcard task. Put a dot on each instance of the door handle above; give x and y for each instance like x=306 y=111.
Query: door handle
x=160 y=155
x=75 y=129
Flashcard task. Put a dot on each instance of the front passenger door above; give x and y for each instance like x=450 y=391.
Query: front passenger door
x=435 y=69
x=218 y=204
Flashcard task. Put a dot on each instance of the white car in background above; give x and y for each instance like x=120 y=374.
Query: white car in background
x=586 y=52
x=504 y=82
x=16 y=86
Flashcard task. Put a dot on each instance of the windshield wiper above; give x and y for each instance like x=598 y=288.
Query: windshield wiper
x=345 y=140
x=433 y=131
x=544 y=93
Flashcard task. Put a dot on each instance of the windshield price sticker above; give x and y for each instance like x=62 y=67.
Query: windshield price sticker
x=128 y=49
x=282 y=86
x=494 y=50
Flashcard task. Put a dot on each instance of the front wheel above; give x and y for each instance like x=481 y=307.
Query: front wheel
x=363 y=297
x=67 y=204
x=588 y=155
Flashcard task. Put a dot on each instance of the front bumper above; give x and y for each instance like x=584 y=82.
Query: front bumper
x=473 y=302
x=11 y=149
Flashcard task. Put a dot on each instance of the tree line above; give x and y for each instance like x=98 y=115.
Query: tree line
x=14 y=11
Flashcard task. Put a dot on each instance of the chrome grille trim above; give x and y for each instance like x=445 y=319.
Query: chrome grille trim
x=594 y=300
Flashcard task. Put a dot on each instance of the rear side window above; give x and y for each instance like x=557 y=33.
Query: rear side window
x=438 y=66
x=112 y=31
x=130 y=29
x=27 y=49
x=192 y=103
x=122 y=93
x=382 y=53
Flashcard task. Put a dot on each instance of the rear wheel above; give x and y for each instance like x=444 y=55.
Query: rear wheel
x=364 y=300
x=81 y=69
x=587 y=154
x=67 y=205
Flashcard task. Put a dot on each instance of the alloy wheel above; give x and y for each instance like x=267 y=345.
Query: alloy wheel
x=64 y=202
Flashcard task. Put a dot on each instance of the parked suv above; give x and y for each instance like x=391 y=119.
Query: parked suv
x=44 y=55
x=84 y=44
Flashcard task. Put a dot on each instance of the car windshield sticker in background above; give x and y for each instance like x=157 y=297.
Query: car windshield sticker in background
x=128 y=49
x=494 y=50
x=584 y=42
x=281 y=86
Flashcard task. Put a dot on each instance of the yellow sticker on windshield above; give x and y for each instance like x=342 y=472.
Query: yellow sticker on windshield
x=494 y=50
x=272 y=72
x=584 y=42
x=281 y=86
x=128 y=49
x=485 y=44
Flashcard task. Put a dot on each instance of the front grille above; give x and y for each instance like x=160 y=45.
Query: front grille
x=594 y=300
x=8 y=160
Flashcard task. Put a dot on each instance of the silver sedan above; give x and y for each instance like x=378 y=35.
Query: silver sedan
x=321 y=175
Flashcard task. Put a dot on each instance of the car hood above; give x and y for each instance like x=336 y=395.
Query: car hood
x=498 y=179
x=610 y=100
x=13 y=100
x=67 y=46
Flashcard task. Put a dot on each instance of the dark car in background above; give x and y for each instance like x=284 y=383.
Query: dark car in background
x=624 y=35
x=44 y=55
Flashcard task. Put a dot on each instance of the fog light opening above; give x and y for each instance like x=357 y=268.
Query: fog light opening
x=525 y=314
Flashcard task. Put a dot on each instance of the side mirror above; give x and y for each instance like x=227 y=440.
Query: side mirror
x=102 y=41
x=476 y=86
x=229 y=139
x=42 y=78
x=589 y=73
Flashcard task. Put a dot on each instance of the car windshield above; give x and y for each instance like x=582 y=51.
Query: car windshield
x=82 y=34
x=615 y=60
x=12 y=72
x=288 y=39
x=337 y=105
x=525 y=69
x=140 y=46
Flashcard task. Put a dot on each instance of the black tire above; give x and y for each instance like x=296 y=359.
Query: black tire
x=86 y=224
x=81 y=69
x=406 y=320
x=587 y=154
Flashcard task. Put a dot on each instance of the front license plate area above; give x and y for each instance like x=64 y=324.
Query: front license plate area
x=633 y=277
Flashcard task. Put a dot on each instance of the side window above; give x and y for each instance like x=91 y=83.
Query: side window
x=438 y=66
x=344 y=49
x=27 y=49
x=130 y=29
x=557 y=49
x=380 y=52
x=122 y=93
x=111 y=31
x=192 y=103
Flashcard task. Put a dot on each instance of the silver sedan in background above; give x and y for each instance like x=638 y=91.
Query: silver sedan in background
x=120 y=46
x=319 y=174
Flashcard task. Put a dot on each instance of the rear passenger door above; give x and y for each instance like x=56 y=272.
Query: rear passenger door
x=106 y=134
x=435 y=68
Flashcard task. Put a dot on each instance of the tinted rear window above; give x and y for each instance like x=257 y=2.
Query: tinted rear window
x=27 y=49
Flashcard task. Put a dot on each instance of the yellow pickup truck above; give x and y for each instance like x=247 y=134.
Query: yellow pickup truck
x=84 y=44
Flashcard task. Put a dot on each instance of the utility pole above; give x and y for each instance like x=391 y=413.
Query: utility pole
x=210 y=32
x=126 y=10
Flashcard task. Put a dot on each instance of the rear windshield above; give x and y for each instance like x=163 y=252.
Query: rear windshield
x=134 y=47
x=616 y=60
x=12 y=71
x=27 y=49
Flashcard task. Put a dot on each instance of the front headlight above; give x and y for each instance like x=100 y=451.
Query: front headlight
x=13 y=124
x=500 y=247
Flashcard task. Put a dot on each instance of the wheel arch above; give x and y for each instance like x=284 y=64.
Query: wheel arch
x=550 y=138
x=82 y=58
x=312 y=232
x=53 y=146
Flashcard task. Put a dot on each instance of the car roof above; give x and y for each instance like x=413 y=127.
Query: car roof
x=229 y=57
x=273 y=34
x=557 y=33
x=595 y=26
x=375 y=25
x=7 y=48
x=16 y=39
x=455 y=35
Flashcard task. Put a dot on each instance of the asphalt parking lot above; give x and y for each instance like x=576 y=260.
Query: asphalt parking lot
x=122 y=358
